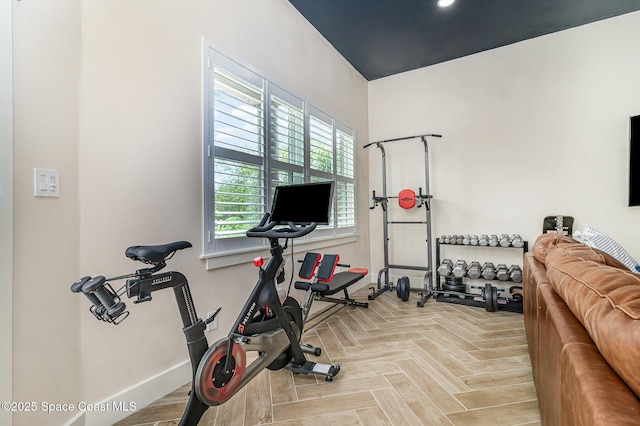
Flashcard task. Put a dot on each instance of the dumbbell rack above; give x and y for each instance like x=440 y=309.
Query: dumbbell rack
x=464 y=298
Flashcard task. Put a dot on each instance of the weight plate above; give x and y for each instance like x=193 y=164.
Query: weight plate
x=489 y=295
x=403 y=288
x=494 y=299
x=454 y=287
x=454 y=284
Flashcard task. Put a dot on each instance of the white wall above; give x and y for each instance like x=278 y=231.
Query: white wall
x=46 y=66
x=6 y=206
x=532 y=129
x=109 y=93
x=140 y=157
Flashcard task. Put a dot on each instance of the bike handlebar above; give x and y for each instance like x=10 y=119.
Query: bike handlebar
x=267 y=229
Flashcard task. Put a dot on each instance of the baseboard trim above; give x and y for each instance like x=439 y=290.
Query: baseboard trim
x=134 y=398
x=77 y=420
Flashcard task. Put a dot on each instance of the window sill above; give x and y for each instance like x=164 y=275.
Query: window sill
x=231 y=258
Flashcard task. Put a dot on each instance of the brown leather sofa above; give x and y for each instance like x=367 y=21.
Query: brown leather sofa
x=582 y=320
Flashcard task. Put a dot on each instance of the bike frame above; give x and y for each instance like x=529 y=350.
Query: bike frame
x=265 y=324
x=270 y=337
x=265 y=293
x=193 y=328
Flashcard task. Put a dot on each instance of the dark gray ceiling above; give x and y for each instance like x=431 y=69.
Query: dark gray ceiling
x=385 y=37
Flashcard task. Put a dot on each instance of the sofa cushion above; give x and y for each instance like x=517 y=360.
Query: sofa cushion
x=548 y=242
x=606 y=300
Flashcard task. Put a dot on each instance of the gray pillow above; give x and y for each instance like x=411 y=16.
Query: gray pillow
x=596 y=239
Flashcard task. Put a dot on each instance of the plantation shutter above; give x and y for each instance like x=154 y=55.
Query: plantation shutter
x=286 y=138
x=321 y=144
x=238 y=145
x=345 y=178
x=258 y=136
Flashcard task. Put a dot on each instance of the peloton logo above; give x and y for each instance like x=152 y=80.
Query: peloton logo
x=161 y=280
x=246 y=318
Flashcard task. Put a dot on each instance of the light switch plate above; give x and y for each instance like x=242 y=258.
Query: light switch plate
x=46 y=183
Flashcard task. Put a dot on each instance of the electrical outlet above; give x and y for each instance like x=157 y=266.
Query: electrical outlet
x=213 y=324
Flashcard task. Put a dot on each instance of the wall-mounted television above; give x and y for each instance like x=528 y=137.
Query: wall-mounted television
x=634 y=161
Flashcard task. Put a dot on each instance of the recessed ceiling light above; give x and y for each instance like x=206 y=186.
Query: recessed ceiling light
x=445 y=3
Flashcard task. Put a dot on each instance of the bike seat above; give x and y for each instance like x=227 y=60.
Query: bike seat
x=155 y=254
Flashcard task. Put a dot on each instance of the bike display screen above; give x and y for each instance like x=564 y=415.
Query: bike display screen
x=303 y=203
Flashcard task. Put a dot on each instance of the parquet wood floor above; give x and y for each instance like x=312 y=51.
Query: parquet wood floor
x=443 y=364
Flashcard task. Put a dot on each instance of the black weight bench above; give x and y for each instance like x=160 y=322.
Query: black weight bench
x=326 y=283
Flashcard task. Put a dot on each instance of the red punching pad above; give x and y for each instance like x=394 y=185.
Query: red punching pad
x=407 y=199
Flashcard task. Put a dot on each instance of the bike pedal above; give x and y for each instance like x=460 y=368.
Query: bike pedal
x=326 y=369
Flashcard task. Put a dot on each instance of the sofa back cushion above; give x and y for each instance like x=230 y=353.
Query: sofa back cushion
x=606 y=300
x=546 y=243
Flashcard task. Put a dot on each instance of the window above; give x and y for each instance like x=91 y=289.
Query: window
x=345 y=177
x=258 y=136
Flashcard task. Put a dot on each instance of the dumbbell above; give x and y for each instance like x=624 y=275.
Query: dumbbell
x=459 y=239
x=493 y=241
x=459 y=269
x=502 y=273
x=474 y=241
x=515 y=273
x=505 y=241
x=466 y=240
x=488 y=271
x=483 y=240
x=474 y=270
x=98 y=310
x=442 y=239
x=106 y=297
x=516 y=241
x=445 y=267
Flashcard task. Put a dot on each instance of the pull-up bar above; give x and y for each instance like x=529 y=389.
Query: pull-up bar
x=432 y=135
x=406 y=199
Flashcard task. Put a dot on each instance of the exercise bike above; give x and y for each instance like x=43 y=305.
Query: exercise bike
x=266 y=326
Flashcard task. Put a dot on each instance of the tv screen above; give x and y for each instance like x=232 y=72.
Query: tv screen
x=634 y=161
x=303 y=203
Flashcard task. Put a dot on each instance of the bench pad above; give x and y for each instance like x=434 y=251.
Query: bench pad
x=340 y=281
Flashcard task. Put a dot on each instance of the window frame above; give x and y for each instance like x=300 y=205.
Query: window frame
x=213 y=246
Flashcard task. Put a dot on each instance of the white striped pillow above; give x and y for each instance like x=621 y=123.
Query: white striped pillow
x=596 y=239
